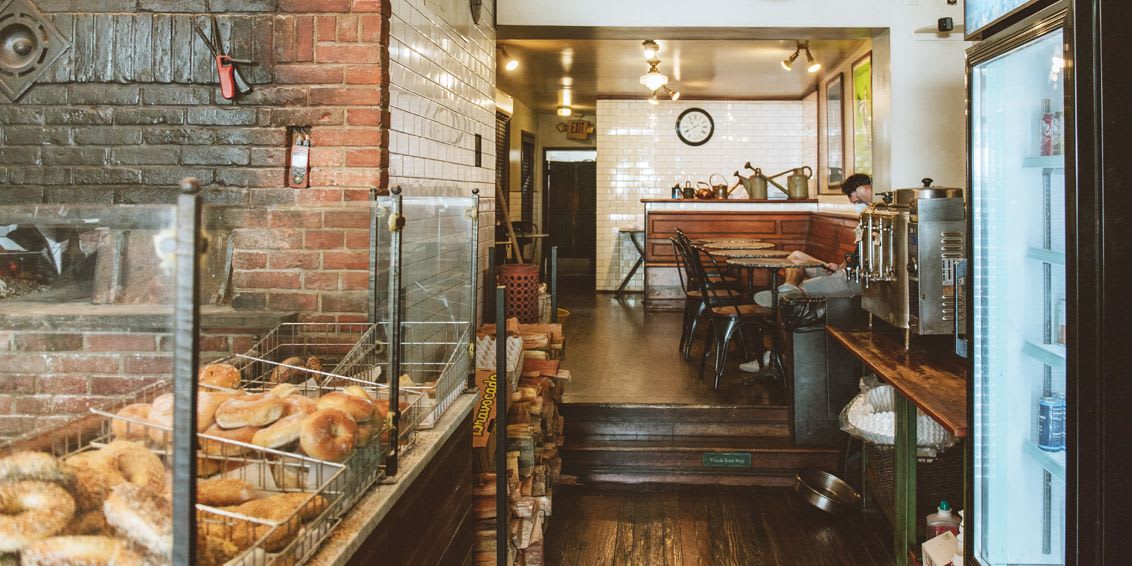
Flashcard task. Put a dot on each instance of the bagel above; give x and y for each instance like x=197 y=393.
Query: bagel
x=30 y=511
x=260 y=409
x=207 y=403
x=91 y=522
x=161 y=414
x=358 y=391
x=215 y=551
x=80 y=551
x=219 y=375
x=298 y=404
x=284 y=374
x=31 y=466
x=142 y=516
x=328 y=434
x=284 y=389
x=314 y=364
x=94 y=478
x=288 y=509
x=243 y=434
x=366 y=432
x=281 y=433
x=126 y=430
x=289 y=474
x=136 y=464
x=360 y=409
x=224 y=492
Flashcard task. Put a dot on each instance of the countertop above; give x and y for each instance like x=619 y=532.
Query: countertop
x=929 y=374
x=730 y=200
x=363 y=519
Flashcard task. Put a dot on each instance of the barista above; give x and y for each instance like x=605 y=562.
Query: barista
x=828 y=280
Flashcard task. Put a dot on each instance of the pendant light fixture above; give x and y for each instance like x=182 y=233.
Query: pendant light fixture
x=565 y=111
x=654 y=79
x=653 y=100
x=673 y=94
x=651 y=48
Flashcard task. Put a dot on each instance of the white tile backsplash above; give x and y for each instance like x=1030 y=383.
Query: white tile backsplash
x=639 y=156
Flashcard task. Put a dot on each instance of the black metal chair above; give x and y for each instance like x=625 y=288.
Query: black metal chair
x=695 y=304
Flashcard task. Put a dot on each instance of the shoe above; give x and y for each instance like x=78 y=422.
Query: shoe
x=766 y=358
x=752 y=366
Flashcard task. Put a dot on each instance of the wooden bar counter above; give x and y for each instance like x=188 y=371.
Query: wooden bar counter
x=788 y=224
x=929 y=377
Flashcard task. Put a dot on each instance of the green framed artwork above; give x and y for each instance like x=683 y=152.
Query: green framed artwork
x=863 y=115
x=834 y=136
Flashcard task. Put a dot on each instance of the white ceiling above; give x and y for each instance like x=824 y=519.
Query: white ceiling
x=698 y=68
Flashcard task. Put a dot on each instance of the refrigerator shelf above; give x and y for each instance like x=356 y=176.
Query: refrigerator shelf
x=1047 y=256
x=1044 y=162
x=1052 y=355
x=1053 y=462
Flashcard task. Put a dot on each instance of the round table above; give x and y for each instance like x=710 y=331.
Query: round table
x=728 y=241
x=737 y=254
x=738 y=246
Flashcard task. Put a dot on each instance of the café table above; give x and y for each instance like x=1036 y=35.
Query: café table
x=633 y=233
x=711 y=246
x=772 y=264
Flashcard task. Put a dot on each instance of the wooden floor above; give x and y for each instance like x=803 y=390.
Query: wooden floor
x=618 y=353
x=662 y=526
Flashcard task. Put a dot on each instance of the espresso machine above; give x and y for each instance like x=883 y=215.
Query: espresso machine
x=906 y=259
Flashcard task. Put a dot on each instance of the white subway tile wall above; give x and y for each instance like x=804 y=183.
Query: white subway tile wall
x=639 y=156
x=441 y=94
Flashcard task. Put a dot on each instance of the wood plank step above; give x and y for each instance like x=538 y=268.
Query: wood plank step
x=642 y=475
x=592 y=419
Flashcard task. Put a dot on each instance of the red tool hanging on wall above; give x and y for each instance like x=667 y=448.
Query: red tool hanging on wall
x=230 y=78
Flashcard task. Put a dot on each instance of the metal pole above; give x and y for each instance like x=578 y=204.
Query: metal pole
x=489 y=306
x=186 y=349
x=396 y=309
x=502 y=395
x=554 y=284
x=473 y=323
x=372 y=280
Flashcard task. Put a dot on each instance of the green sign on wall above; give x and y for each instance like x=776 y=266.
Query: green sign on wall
x=727 y=459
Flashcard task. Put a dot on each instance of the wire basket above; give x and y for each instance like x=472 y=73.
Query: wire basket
x=937 y=479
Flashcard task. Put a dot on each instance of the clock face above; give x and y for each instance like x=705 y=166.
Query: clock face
x=694 y=126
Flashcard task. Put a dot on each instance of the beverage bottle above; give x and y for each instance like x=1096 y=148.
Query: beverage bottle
x=1046 y=141
x=942 y=520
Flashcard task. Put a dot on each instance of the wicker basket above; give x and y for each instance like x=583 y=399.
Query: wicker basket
x=936 y=480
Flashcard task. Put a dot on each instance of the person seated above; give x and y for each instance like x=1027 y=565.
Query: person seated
x=828 y=280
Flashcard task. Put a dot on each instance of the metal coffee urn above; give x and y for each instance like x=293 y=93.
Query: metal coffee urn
x=907 y=256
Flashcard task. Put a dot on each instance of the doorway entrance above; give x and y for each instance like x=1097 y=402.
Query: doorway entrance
x=570 y=208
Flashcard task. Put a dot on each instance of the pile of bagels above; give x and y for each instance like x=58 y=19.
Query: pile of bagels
x=112 y=506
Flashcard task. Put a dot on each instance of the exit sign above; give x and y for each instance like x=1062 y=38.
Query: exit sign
x=727 y=459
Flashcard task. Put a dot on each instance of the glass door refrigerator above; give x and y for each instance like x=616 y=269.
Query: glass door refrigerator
x=1016 y=286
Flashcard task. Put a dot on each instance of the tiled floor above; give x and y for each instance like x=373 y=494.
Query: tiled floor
x=618 y=353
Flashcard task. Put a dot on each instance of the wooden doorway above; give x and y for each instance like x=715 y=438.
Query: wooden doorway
x=570 y=208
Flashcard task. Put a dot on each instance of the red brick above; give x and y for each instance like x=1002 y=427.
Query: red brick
x=296 y=219
x=15 y=383
x=328 y=157
x=32 y=404
x=320 y=280
x=121 y=342
x=67 y=384
x=363 y=117
x=323 y=239
x=118 y=385
x=308 y=74
x=307 y=6
x=294 y=260
x=67 y=404
x=357 y=239
x=351 y=53
x=317 y=317
x=345 y=260
x=326 y=28
x=357 y=195
x=266 y=280
x=47 y=342
x=346 y=137
x=243 y=343
x=249 y=260
x=372 y=28
x=346 y=301
x=347 y=28
x=214 y=343
x=278 y=239
x=345 y=96
x=355 y=280
x=379 y=6
x=319 y=196
x=292 y=301
x=86 y=363
x=304 y=37
x=357 y=177
x=363 y=75
x=153 y=366
x=347 y=219
x=364 y=158
x=283 y=42
x=352 y=318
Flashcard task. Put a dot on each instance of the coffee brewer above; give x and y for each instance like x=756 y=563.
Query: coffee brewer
x=906 y=259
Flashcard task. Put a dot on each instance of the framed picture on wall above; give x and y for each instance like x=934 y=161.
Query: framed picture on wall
x=862 y=74
x=834 y=136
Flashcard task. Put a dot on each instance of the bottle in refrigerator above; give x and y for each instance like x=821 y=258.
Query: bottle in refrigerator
x=1059 y=322
x=1046 y=128
x=942 y=521
x=1051 y=423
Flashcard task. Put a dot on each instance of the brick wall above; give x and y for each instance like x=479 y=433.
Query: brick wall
x=133 y=107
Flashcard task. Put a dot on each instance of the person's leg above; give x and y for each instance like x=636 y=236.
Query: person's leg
x=830 y=286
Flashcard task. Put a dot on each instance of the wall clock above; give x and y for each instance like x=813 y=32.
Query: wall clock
x=694 y=126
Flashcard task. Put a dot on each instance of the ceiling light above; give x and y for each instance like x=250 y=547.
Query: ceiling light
x=814 y=66
x=653 y=99
x=654 y=79
x=651 y=49
x=673 y=94
x=509 y=62
x=788 y=63
x=565 y=111
x=567 y=97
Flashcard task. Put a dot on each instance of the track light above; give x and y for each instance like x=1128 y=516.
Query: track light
x=565 y=111
x=651 y=49
x=814 y=66
x=788 y=63
x=509 y=63
x=673 y=94
x=653 y=99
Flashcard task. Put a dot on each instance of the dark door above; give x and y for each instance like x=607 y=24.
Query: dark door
x=571 y=214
